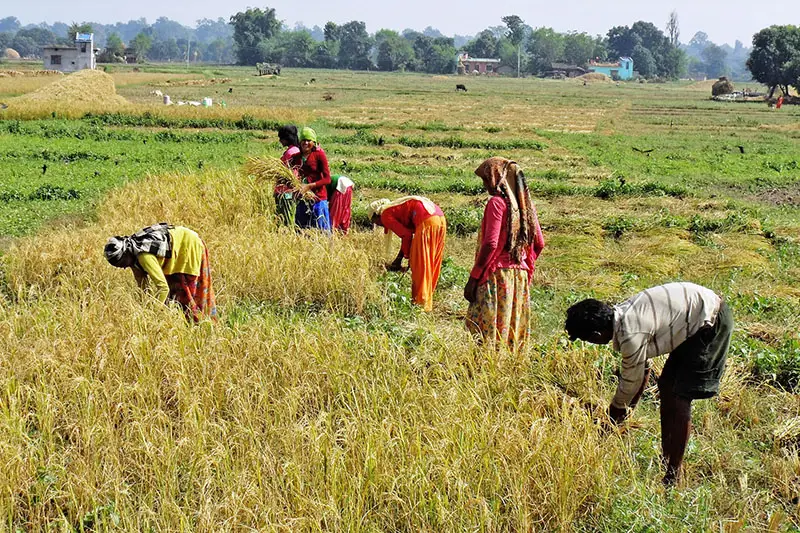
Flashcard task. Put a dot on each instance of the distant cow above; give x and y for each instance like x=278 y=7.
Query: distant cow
x=461 y=87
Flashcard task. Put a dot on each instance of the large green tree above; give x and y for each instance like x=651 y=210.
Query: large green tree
x=74 y=28
x=483 y=45
x=775 y=57
x=661 y=58
x=29 y=41
x=435 y=55
x=714 y=59
x=141 y=45
x=545 y=47
x=354 y=46
x=393 y=51
x=296 y=48
x=516 y=34
x=250 y=28
x=579 y=48
x=114 y=50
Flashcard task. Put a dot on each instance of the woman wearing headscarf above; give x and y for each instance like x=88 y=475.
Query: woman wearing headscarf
x=285 y=204
x=509 y=242
x=422 y=228
x=173 y=261
x=314 y=171
x=340 y=193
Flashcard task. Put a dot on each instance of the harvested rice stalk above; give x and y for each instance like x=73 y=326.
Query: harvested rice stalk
x=788 y=433
x=274 y=171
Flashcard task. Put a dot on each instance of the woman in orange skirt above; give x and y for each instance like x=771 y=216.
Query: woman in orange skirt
x=422 y=228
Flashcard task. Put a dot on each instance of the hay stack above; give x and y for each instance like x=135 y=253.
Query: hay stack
x=593 y=76
x=721 y=86
x=83 y=87
x=10 y=53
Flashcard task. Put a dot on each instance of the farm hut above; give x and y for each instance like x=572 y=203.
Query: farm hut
x=477 y=65
x=618 y=70
x=722 y=86
x=71 y=58
x=564 y=70
x=10 y=53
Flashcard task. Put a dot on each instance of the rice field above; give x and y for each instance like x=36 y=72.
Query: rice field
x=323 y=400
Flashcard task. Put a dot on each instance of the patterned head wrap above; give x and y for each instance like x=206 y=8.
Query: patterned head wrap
x=115 y=250
x=153 y=239
x=506 y=179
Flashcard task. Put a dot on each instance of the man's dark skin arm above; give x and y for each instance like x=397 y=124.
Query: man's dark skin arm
x=617 y=414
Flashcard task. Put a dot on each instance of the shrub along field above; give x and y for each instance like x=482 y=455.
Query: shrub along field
x=323 y=399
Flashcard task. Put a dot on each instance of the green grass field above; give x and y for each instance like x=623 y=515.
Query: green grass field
x=323 y=400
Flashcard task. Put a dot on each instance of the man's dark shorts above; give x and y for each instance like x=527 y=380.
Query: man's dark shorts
x=694 y=368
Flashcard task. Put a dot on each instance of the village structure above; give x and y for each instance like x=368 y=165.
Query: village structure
x=71 y=58
x=479 y=65
x=618 y=70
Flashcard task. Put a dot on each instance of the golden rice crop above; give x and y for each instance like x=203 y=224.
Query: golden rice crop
x=116 y=413
x=273 y=171
x=229 y=212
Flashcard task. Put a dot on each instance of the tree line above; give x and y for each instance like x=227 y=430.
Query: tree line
x=163 y=40
x=258 y=36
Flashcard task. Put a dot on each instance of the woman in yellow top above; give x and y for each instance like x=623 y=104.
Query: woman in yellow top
x=174 y=260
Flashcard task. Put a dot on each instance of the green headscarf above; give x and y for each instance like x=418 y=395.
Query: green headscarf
x=307 y=134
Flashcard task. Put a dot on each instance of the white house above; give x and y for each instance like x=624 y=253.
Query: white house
x=71 y=58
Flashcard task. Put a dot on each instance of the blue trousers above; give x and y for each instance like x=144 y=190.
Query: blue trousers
x=315 y=216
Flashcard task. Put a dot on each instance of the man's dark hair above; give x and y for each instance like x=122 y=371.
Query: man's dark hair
x=587 y=316
x=289 y=133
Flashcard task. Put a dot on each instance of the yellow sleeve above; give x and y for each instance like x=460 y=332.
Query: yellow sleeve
x=158 y=282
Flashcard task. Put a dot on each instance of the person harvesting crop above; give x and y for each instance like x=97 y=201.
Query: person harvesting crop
x=285 y=204
x=422 y=228
x=340 y=193
x=173 y=261
x=509 y=242
x=691 y=323
x=313 y=167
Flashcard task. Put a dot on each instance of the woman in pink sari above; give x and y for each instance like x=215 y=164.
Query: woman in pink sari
x=509 y=242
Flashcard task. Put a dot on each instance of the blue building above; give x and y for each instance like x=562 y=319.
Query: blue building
x=621 y=70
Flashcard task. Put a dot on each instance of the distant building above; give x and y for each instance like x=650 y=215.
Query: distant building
x=71 y=58
x=477 y=65
x=621 y=70
x=564 y=70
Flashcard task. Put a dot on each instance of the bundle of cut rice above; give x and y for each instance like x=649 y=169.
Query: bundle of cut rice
x=273 y=170
x=788 y=432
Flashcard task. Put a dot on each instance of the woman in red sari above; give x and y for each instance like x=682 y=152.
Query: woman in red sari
x=509 y=242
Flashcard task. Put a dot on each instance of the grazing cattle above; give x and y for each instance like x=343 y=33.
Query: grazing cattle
x=230 y=89
x=461 y=87
x=312 y=80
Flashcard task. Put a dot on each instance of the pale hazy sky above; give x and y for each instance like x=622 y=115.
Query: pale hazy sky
x=723 y=20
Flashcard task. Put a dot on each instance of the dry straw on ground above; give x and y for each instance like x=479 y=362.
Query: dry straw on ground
x=85 y=86
x=593 y=76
